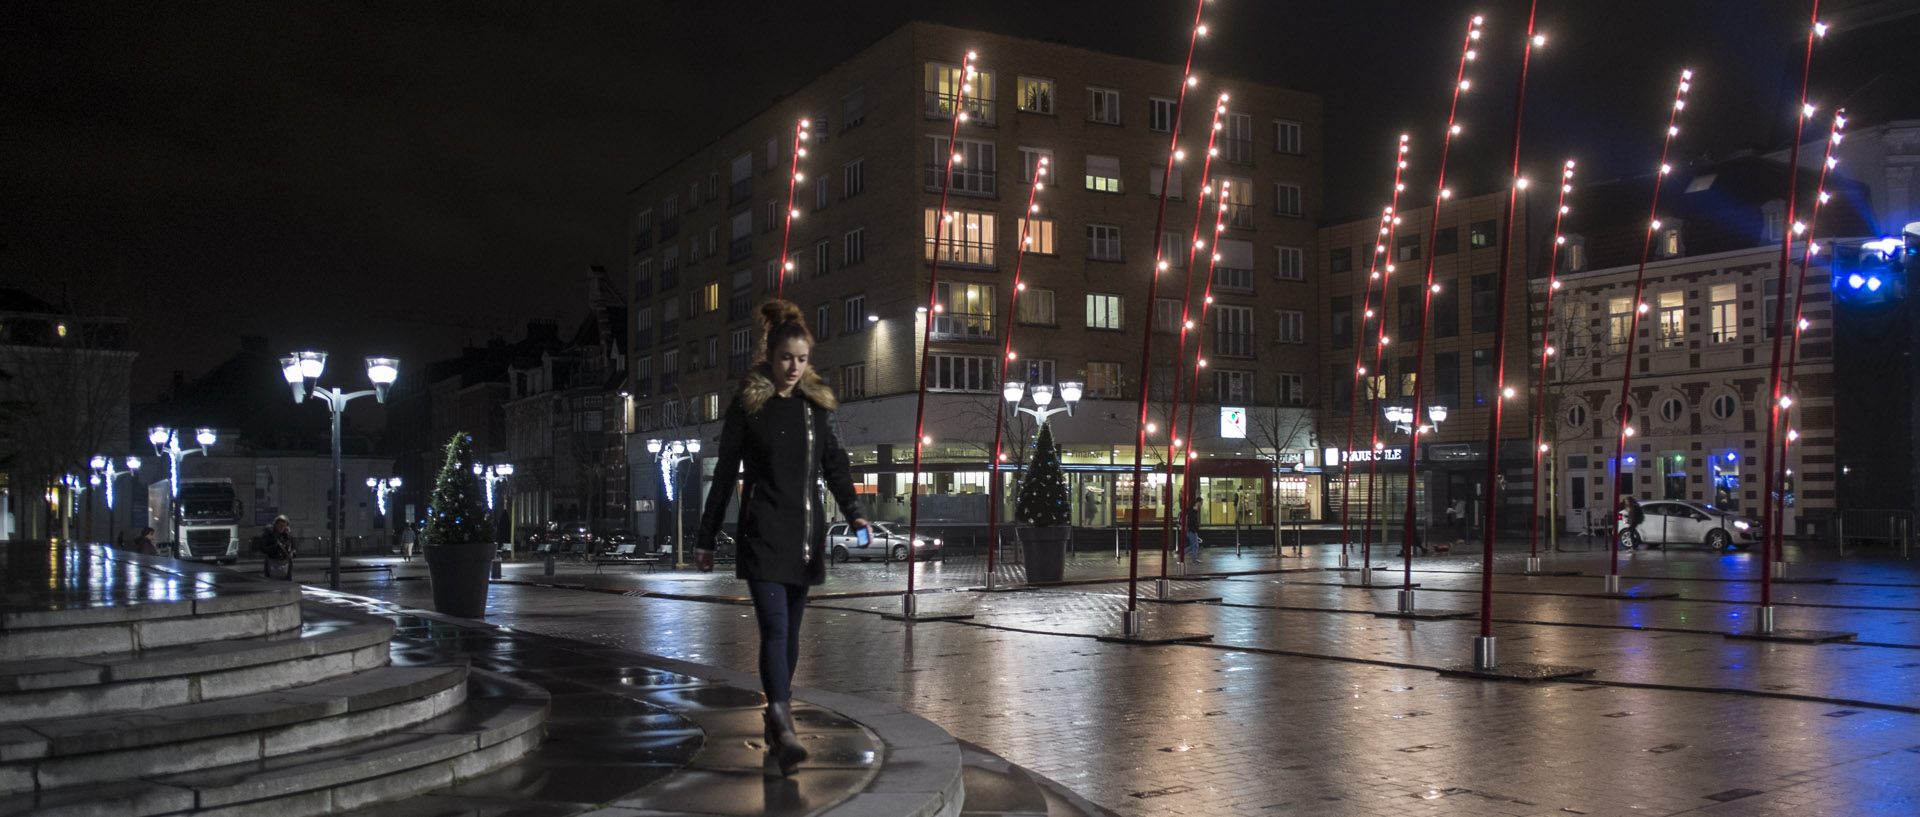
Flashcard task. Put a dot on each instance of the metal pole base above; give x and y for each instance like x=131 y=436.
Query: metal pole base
x=1779 y=570
x=989 y=580
x=1533 y=564
x=1613 y=584
x=1485 y=655
x=1343 y=558
x=1366 y=577
x=497 y=573
x=1763 y=620
x=1130 y=622
x=551 y=562
x=907 y=604
x=1160 y=588
x=1406 y=601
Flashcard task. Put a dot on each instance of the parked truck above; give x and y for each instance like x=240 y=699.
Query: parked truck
x=203 y=522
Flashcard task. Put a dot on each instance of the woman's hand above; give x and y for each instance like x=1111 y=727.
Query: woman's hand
x=703 y=559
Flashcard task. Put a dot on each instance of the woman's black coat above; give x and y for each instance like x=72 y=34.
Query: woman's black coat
x=782 y=527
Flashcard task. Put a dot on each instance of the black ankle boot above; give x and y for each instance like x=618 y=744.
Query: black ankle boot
x=782 y=744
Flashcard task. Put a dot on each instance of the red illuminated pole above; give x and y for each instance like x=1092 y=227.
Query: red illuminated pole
x=1484 y=655
x=1381 y=242
x=793 y=183
x=1373 y=415
x=1546 y=352
x=1633 y=329
x=1441 y=194
x=1186 y=325
x=1770 y=525
x=1199 y=346
x=1130 y=621
x=1010 y=320
x=926 y=333
x=1827 y=163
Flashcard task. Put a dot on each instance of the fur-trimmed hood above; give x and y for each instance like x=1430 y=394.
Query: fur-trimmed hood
x=757 y=388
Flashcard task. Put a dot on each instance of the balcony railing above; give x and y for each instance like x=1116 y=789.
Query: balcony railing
x=970 y=181
x=962 y=326
x=1240 y=215
x=942 y=104
x=669 y=227
x=739 y=305
x=1233 y=344
x=739 y=191
x=1233 y=279
x=643 y=338
x=643 y=287
x=669 y=277
x=739 y=249
x=642 y=242
x=643 y=386
x=669 y=331
x=669 y=382
x=737 y=364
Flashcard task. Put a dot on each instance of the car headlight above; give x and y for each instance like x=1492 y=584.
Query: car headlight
x=1741 y=524
x=938 y=543
x=919 y=543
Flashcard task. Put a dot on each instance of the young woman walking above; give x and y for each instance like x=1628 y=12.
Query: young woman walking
x=778 y=437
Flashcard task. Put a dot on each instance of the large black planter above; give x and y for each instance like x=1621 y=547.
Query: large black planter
x=1045 y=552
x=459 y=574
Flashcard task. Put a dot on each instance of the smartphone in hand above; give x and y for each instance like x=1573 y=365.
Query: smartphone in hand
x=861 y=536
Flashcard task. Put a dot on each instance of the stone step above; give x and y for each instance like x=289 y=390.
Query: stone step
x=332 y=641
x=502 y=720
x=198 y=615
x=53 y=754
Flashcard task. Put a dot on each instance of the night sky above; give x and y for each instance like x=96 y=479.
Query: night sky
x=404 y=177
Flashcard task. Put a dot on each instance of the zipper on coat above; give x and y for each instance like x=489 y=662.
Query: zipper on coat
x=806 y=487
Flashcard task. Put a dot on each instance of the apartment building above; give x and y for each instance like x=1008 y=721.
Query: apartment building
x=1461 y=382
x=1703 y=350
x=707 y=235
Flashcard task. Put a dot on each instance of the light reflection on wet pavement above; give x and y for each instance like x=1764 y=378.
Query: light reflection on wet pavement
x=1304 y=703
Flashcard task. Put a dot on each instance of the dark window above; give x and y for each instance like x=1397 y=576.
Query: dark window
x=1484 y=303
x=1446 y=310
x=1408 y=248
x=1446 y=241
x=1482 y=376
x=1340 y=260
x=1342 y=321
x=1446 y=379
x=1409 y=314
x=1483 y=234
x=1342 y=391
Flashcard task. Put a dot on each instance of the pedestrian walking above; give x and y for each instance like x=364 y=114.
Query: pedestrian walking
x=1631 y=513
x=276 y=548
x=144 y=543
x=780 y=428
x=1190 y=522
x=407 y=540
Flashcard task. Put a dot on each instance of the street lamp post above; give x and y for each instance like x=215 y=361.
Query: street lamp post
x=1403 y=419
x=489 y=475
x=1042 y=396
x=301 y=370
x=671 y=454
x=105 y=471
x=382 y=487
x=166 y=443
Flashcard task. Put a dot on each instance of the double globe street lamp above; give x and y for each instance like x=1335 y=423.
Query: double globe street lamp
x=1402 y=417
x=301 y=370
x=1042 y=396
x=105 y=471
x=670 y=454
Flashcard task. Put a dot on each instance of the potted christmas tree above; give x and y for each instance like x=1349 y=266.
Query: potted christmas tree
x=459 y=542
x=1042 y=507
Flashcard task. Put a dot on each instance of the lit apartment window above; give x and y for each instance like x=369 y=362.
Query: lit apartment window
x=855 y=249
x=1239 y=203
x=966 y=311
x=947 y=91
x=961 y=373
x=1287 y=200
x=1619 y=322
x=1103 y=173
x=853 y=314
x=1723 y=313
x=1290 y=326
x=853 y=178
x=972 y=165
x=1103 y=379
x=1673 y=319
x=1103 y=106
x=707 y=297
x=1286 y=136
x=1482 y=234
x=1103 y=242
x=1030 y=161
x=1237 y=143
x=966 y=238
x=1036 y=95
x=1160 y=114
x=1036 y=307
x=1040 y=235
x=1573 y=254
x=853 y=381
x=1103 y=311
x=1233 y=331
x=1289 y=263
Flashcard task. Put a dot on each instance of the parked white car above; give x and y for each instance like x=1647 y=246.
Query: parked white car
x=1686 y=523
x=884 y=543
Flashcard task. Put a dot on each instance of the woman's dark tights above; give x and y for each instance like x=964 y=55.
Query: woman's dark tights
x=778 y=608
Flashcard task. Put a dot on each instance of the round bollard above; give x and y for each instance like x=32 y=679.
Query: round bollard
x=551 y=563
x=497 y=570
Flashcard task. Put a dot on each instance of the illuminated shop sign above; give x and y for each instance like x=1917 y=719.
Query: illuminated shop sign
x=1394 y=454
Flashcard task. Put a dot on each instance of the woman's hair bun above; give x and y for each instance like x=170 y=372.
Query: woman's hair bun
x=774 y=313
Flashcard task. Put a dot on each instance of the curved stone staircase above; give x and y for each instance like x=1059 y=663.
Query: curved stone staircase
x=138 y=685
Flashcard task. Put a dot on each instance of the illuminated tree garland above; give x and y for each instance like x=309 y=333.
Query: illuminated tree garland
x=793 y=183
x=1624 y=413
x=1441 y=194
